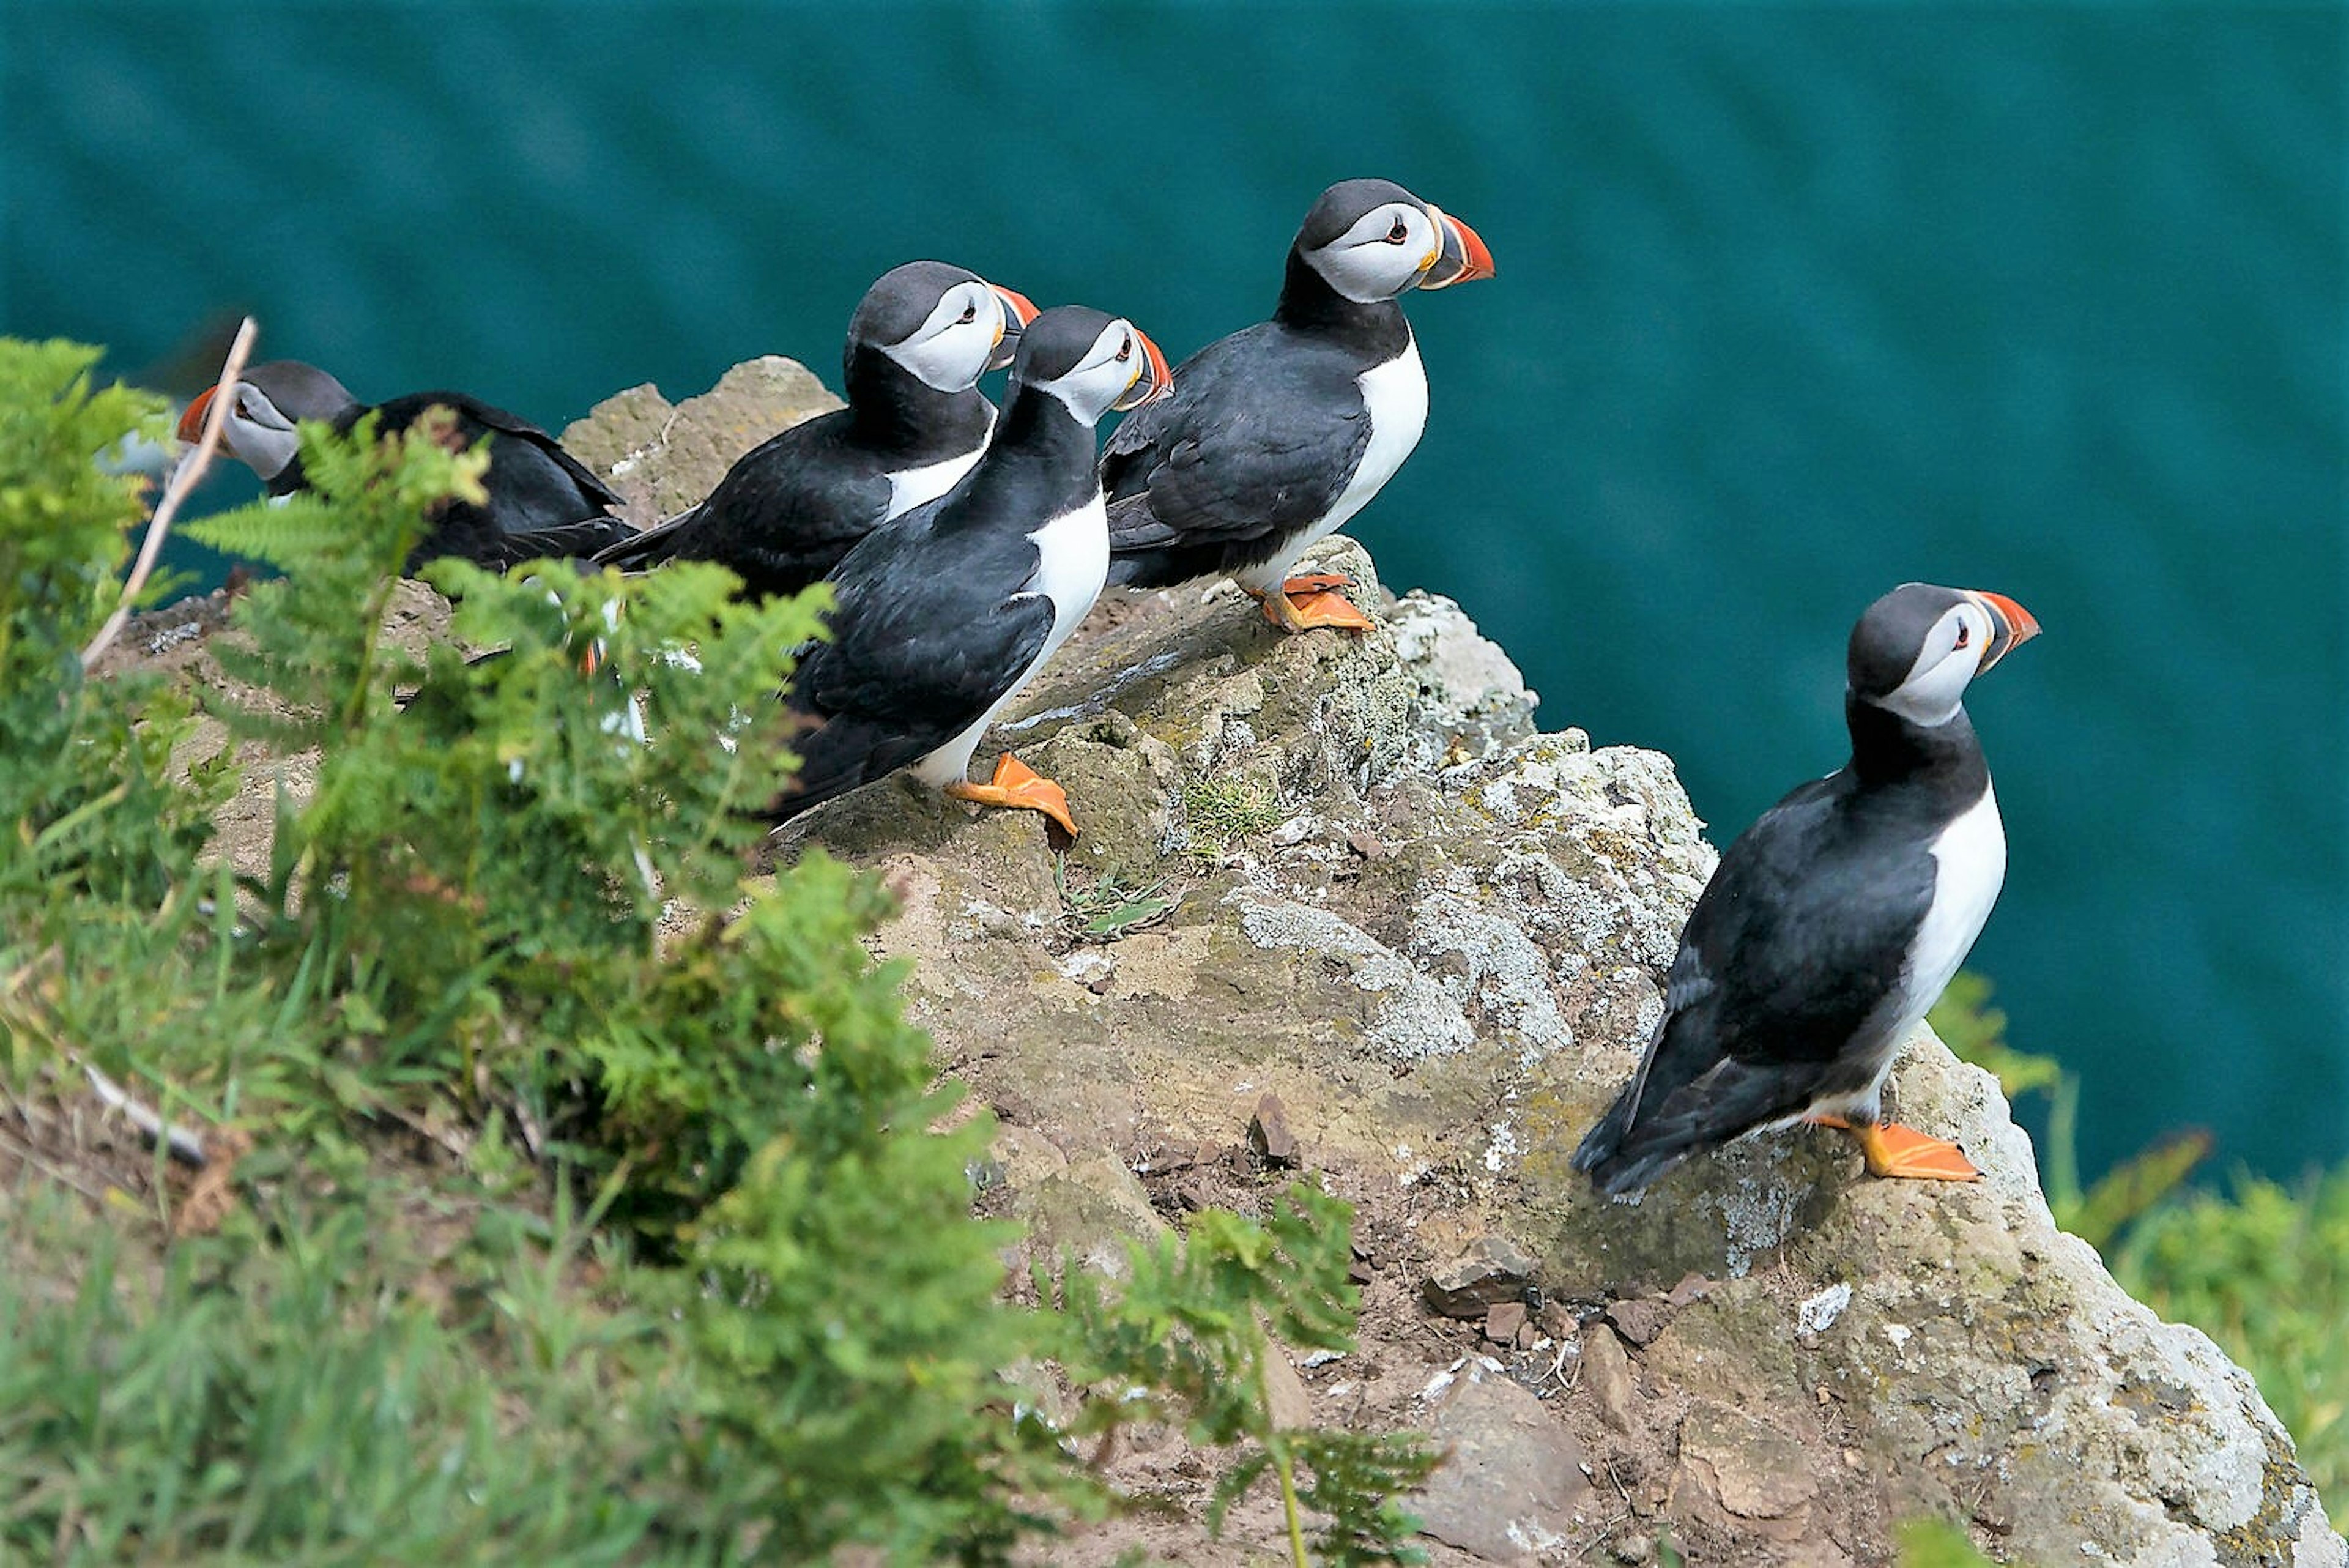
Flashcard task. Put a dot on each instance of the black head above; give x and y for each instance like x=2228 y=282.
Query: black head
x=269 y=398
x=300 y=391
x=1915 y=649
x=943 y=324
x=1371 y=240
x=1090 y=361
x=1342 y=205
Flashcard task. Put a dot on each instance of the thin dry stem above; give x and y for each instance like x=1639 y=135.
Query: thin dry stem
x=183 y=479
x=188 y=1146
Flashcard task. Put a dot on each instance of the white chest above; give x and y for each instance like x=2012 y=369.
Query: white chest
x=913 y=486
x=1395 y=393
x=1074 y=562
x=1970 y=866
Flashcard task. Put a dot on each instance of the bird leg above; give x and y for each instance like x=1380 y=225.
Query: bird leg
x=1894 y=1150
x=1304 y=603
x=1020 y=787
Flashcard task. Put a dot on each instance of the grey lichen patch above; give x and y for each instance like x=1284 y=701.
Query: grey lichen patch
x=1415 y=1018
x=1486 y=962
x=1757 y=1204
x=2290 y=1527
x=1468 y=687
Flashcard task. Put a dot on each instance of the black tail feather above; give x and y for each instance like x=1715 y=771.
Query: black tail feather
x=642 y=551
x=583 y=541
x=1624 y=1152
x=837 y=756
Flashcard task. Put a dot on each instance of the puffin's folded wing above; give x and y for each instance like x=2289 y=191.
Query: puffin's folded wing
x=897 y=683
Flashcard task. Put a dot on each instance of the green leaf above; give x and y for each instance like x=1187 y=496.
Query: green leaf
x=1937 y=1543
x=2134 y=1187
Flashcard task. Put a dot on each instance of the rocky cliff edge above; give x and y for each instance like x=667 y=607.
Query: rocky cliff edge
x=1340 y=907
x=1339 y=902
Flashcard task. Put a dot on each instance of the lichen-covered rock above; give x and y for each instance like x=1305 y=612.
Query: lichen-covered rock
x=1438 y=937
x=1374 y=890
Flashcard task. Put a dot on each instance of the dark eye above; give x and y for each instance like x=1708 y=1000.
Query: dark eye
x=1125 y=351
x=1400 y=233
x=971 y=313
x=1965 y=634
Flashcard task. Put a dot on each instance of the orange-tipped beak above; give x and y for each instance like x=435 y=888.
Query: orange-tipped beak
x=1154 y=380
x=1017 y=306
x=1019 y=310
x=191 y=423
x=1463 y=258
x=2011 y=627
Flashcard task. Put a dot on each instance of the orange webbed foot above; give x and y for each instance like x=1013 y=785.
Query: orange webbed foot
x=1305 y=603
x=1904 y=1153
x=1019 y=788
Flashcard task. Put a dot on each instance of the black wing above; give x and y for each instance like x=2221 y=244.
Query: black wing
x=915 y=655
x=1797 y=941
x=527 y=466
x=783 y=515
x=587 y=540
x=1256 y=441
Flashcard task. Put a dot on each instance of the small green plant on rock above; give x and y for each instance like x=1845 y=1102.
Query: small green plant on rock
x=1937 y=1543
x=1191 y=1335
x=1111 y=907
x=1225 y=809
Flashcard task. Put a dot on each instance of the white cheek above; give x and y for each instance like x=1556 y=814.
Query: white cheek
x=1930 y=697
x=265 y=450
x=950 y=360
x=1077 y=393
x=1367 y=273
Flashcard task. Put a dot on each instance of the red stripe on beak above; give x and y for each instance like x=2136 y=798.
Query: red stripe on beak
x=1480 y=259
x=1156 y=379
x=192 y=422
x=2021 y=625
x=1022 y=308
x=1162 y=378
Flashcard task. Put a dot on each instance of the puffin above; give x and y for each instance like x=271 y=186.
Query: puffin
x=1834 y=922
x=1281 y=432
x=542 y=501
x=941 y=614
x=790 y=508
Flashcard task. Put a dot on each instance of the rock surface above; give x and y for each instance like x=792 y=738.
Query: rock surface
x=663 y=457
x=1436 y=935
x=1513 y=1488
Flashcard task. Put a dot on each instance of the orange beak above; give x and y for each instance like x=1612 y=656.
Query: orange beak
x=2011 y=627
x=1463 y=258
x=1019 y=310
x=1022 y=309
x=192 y=422
x=1155 y=380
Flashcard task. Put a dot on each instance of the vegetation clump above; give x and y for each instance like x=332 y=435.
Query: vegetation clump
x=565 y=1193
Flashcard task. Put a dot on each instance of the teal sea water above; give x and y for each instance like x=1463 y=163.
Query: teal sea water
x=1796 y=302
